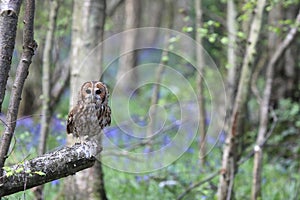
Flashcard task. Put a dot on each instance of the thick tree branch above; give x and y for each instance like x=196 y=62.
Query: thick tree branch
x=29 y=46
x=9 y=12
x=48 y=167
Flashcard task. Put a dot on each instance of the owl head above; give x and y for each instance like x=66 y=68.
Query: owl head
x=94 y=92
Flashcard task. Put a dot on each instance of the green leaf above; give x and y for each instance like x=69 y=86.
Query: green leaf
x=40 y=173
x=224 y=40
x=241 y=34
x=7 y=169
x=212 y=38
x=165 y=58
x=187 y=29
x=10 y=173
x=171 y=47
x=173 y=39
x=19 y=170
x=295 y=109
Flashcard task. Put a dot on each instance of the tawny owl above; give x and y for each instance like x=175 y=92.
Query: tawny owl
x=91 y=113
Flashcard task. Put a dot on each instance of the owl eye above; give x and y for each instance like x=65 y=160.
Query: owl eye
x=98 y=92
x=88 y=91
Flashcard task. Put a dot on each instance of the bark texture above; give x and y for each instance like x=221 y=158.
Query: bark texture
x=127 y=62
x=49 y=167
x=29 y=46
x=86 y=61
x=229 y=160
x=200 y=85
x=46 y=79
x=9 y=13
x=231 y=55
x=264 y=109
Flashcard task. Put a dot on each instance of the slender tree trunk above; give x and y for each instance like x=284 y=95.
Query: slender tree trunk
x=264 y=110
x=9 y=14
x=159 y=75
x=200 y=86
x=157 y=8
x=231 y=55
x=29 y=46
x=46 y=79
x=229 y=160
x=86 y=56
x=290 y=63
x=128 y=61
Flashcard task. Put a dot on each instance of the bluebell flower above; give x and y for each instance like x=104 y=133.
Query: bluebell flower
x=166 y=140
x=55 y=182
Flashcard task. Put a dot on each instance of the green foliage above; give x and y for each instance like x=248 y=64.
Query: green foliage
x=289 y=112
x=187 y=29
x=277 y=182
x=208 y=30
x=10 y=171
x=40 y=173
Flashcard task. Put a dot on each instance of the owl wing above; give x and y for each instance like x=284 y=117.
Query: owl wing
x=104 y=116
x=108 y=118
x=70 y=121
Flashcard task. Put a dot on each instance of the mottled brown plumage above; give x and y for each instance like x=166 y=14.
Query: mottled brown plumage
x=91 y=113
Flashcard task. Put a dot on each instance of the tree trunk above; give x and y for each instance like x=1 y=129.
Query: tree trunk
x=29 y=47
x=86 y=57
x=46 y=79
x=231 y=55
x=9 y=14
x=264 y=109
x=200 y=86
x=229 y=167
x=127 y=62
x=158 y=77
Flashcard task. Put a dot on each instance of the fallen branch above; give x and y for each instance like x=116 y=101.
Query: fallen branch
x=48 y=167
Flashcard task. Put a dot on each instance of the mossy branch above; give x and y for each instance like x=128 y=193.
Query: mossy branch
x=48 y=167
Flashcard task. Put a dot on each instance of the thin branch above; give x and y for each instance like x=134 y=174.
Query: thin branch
x=29 y=47
x=48 y=167
x=197 y=184
x=255 y=75
x=261 y=145
x=58 y=86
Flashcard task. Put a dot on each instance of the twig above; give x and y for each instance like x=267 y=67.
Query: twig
x=197 y=184
x=268 y=135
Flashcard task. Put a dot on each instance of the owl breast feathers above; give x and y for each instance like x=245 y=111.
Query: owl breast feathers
x=91 y=113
